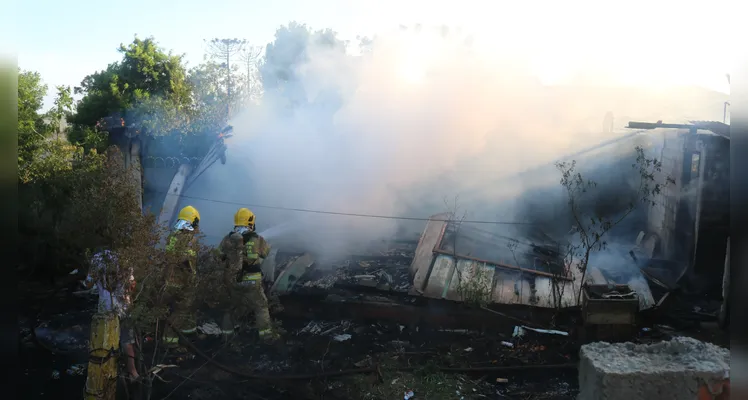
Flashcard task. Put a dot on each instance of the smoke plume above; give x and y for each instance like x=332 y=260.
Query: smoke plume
x=416 y=117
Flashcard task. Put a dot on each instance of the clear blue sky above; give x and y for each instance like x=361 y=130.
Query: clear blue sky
x=70 y=39
x=67 y=40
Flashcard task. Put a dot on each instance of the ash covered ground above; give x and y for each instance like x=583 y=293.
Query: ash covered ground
x=399 y=342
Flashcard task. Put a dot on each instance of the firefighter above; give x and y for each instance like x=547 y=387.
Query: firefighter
x=244 y=251
x=181 y=273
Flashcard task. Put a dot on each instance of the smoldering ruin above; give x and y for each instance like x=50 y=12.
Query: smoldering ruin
x=422 y=224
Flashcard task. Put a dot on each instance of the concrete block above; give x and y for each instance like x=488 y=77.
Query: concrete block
x=683 y=368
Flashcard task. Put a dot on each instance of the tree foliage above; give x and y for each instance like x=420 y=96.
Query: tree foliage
x=590 y=228
x=146 y=81
x=31 y=129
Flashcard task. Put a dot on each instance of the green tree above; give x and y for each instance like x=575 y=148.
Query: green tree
x=146 y=79
x=224 y=51
x=31 y=129
x=62 y=110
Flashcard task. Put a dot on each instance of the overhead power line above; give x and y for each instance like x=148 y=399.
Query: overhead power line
x=306 y=210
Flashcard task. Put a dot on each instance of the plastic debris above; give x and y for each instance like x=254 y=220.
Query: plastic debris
x=409 y=395
x=55 y=374
x=502 y=380
x=312 y=327
x=73 y=272
x=76 y=370
x=469 y=349
x=341 y=338
x=210 y=328
x=519 y=331
x=507 y=344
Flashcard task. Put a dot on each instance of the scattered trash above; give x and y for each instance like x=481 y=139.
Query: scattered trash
x=502 y=380
x=464 y=331
x=664 y=327
x=519 y=331
x=469 y=349
x=394 y=381
x=507 y=344
x=409 y=395
x=401 y=328
x=55 y=374
x=366 y=361
x=76 y=370
x=341 y=338
x=646 y=329
x=312 y=327
x=160 y=367
x=210 y=328
x=73 y=272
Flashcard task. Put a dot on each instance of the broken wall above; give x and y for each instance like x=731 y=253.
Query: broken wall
x=663 y=215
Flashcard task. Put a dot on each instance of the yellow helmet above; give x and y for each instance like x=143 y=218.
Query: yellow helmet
x=244 y=217
x=190 y=215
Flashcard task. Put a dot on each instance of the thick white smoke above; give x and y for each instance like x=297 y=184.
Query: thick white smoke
x=417 y=117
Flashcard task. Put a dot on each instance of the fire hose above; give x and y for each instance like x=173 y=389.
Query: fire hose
x=367 y=370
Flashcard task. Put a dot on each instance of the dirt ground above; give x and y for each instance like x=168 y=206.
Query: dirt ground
x=432 y=362
x=403 y=360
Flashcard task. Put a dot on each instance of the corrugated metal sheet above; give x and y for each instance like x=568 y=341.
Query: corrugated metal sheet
x=457 y=278
x=454 y=281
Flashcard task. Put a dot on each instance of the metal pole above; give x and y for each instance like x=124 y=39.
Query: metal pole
x=724 y=112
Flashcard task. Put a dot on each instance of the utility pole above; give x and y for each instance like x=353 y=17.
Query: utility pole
x=224 y=49
x=727 y=104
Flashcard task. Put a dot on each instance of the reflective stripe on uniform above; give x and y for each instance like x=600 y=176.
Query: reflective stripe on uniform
x=256 y=276
x=251 y=255
x=172 y=243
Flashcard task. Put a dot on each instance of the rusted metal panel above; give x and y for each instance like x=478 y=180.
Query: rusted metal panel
x=501 y=285
x=503 y=290
x=551 y=296
x=470 y=278
x=421 y=264
x=513 y=286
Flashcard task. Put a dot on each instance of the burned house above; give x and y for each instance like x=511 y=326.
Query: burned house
x=687 y=229
x=461 y=262
x=453 y=262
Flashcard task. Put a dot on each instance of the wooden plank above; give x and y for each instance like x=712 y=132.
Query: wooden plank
x=421 y=264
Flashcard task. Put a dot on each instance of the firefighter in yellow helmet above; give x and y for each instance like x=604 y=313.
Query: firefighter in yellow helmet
x=244 y=251
x=181 y=272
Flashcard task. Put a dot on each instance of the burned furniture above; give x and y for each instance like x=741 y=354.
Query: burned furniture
x=608 y=312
